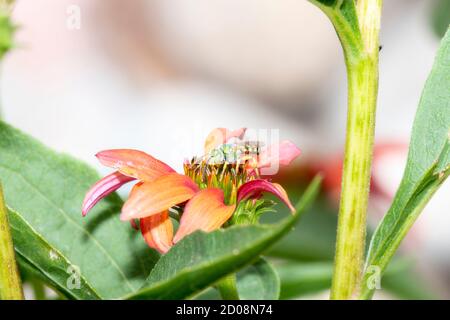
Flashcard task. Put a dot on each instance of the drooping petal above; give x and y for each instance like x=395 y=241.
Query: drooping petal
x=283 y=154
x=254 y=189
x=157 y=231
x=205 y=211
x=149 y=198
x=134 y=163
x=102 y=188
x=220 y=136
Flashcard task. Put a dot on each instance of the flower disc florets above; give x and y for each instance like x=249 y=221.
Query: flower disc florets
x=226 y=167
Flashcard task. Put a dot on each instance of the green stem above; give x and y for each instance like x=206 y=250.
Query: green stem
x=38 y=289
x=228 y=288
x=362 y=77
x=10 y=283
x=351 y=233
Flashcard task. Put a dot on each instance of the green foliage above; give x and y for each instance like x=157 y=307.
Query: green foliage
x=6 y=34
x=427 y=168
x=259 y=282
x=440 y=17
x=45 y=262
x=249 y=212
x=303 y=242
x=303 y=278
x=44 y=191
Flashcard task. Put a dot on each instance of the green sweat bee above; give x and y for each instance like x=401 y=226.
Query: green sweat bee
x=233 y=153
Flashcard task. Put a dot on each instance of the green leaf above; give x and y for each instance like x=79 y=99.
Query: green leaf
x=44 y=191
x=40 y=254
x=440 y=17
x=427 y=168
x=303 y=243
x=7 y=30
x=302 y=278
x=202 y=259
x=258 y=282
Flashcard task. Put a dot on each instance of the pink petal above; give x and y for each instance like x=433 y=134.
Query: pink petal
x=134 y=163
x=157 y=231
x=150 y=198
x=254 y=188
x=102 y=188
x=282 y=154
x=205 y=211
x=220 y=136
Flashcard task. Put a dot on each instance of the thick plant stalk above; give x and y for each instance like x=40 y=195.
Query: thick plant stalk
x=362 y=74
x=10 y=283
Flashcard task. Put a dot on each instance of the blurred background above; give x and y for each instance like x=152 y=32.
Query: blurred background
x=158 y=75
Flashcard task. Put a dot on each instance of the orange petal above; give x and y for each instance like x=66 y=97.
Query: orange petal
x=205 y=211
x=157 y=231
x=134 y=163
x=220 y=136
x=150 y=198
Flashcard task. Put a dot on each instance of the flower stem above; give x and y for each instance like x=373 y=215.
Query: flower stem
x=362 y=77
x=228 y=288
x=10 y=283
x=38 y=289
